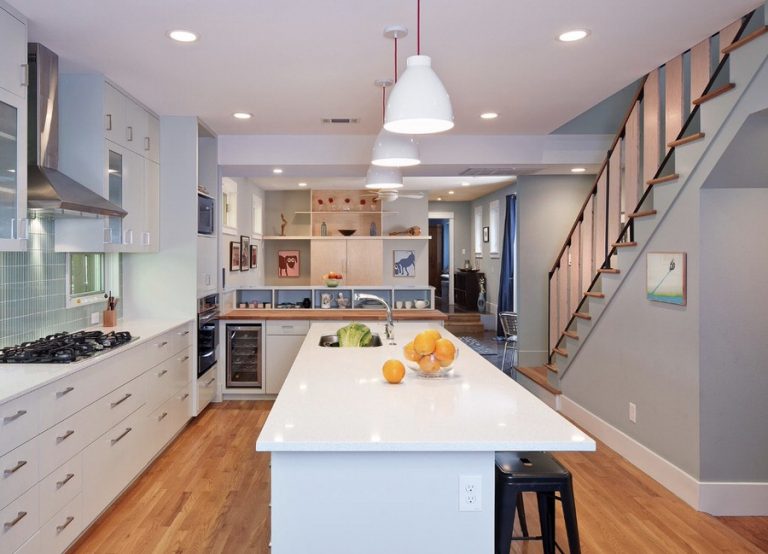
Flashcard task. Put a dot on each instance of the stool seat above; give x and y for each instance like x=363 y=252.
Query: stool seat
x=539 y=472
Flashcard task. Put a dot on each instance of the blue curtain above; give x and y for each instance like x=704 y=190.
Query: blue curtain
x=506 y=279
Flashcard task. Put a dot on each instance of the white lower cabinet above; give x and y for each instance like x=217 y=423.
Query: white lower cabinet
x=284 y=339
x=19 y=470
x=63 y=528
x=207 y=385
x=61 y=486
x=165 y=421
x=19 y=520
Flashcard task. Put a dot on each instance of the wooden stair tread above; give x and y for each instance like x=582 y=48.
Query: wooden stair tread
x=552 y=367
x=571 y=335
x=611 y=270
x=644 y=213
x=469 y=317
x=685 y=140
x=623 y=244
x=744 y=40
x=582 y=315
x=665 y=179
x=713 y=94
x=594 y=294
x=560 y=352
x=539 y=376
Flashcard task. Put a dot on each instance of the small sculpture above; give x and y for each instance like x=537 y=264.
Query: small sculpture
x=282 y=225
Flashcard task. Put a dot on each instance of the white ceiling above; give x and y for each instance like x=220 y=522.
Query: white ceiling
x=293 y=63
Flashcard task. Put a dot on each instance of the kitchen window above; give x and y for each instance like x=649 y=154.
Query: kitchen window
x=258 y=211
x=229 y=206
x=478 y=234
x=494 y=229
x=89 y=276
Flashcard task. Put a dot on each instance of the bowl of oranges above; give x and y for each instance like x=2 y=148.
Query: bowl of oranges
x=430 y=355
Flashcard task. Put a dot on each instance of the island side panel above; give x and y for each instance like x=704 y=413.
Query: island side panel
x=379 y=502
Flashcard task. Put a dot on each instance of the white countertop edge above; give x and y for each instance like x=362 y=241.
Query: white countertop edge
x=265 y=446
x=145 y=329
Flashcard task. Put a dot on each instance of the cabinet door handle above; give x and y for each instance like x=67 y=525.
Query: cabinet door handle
x=24 y=224
x=113 y=442
x=146 y=144
x=109 y=122
x=107 y=235
x=162 y=373
x=14 y=417
x=162 y=344
x=162 y=416
x=183 y=333
x=184 y=397
x=67 y=478
x=8 y=524
x=24 y=75
x=60 y=528
x=14 y=469
x=14 y=229
x=184 y=359
x=65 y=392
x=118 y=402
x=209 y=383
x=65 y=436
x=129 y=133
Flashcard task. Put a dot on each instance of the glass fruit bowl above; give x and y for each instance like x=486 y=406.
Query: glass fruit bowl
x=332 y=283
x=430 y=366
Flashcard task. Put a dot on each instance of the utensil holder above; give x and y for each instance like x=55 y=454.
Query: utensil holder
x=110 y=318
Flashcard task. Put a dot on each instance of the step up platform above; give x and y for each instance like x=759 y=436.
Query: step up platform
x=464 y=323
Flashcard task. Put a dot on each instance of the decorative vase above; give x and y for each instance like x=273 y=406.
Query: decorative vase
x=374 y=231
x=323 y=230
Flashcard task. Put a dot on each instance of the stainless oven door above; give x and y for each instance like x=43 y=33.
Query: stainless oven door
x=207 y=343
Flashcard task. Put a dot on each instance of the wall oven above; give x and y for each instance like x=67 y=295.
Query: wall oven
x=207 y=332
x=205 y=214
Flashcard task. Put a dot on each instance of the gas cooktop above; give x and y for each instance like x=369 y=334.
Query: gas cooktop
x=64 y=347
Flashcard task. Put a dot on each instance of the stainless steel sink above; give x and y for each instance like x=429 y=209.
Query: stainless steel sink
x=333 y=341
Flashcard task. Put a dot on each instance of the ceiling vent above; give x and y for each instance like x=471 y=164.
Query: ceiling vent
x=341 y=120
x=489 y=172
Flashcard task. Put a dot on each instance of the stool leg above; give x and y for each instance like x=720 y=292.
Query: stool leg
x=545 y=521
x=521 y=514
x=506 y=501
x=504 y=357
x=569 y=514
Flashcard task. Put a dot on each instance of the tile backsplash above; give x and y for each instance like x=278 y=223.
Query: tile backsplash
x=33 y=290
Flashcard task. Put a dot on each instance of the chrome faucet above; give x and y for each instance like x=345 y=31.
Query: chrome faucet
x=389 y=326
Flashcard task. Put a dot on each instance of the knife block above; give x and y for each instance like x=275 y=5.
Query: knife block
x=110 y=318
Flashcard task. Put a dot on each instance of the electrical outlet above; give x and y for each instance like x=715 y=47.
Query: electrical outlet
x=470 y=493
x=463 y=251
x=632 y=412
x=95 y=318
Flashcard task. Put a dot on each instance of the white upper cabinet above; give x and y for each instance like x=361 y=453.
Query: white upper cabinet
x=115 y=116
x=128 y=124
x=13 y=54
x=152 y=140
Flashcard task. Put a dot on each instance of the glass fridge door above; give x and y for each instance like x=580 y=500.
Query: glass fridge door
x=244 y=356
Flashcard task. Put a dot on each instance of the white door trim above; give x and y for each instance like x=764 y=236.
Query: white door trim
x=449 y=217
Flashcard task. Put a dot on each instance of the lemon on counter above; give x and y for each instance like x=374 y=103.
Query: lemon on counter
x=393 y=371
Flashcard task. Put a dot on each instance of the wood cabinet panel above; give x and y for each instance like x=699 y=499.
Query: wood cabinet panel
x=364 y=262
x=328 y=255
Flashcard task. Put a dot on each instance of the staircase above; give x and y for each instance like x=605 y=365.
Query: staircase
x=464 y=323
x=650 y=162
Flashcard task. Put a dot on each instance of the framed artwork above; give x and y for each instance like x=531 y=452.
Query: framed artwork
x=254 y=256
x=404 y=263
x=486 y=234
x=288 y=263
x=245 y=252
x=234 y=256
x=666 y=277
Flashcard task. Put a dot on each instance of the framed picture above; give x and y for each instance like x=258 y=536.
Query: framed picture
x=245 y=252
x=486 y=234
x=234 y=256
x=288 y=263
x=404 y=263
x=666 y=277
x=254 y=256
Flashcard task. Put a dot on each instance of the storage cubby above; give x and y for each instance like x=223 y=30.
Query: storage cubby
x=413 y=295
x=386 y=294
x=292 y=298
x=254 y=298
x=334 y=292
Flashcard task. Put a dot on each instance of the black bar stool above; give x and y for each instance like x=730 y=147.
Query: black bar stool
x=539 y=472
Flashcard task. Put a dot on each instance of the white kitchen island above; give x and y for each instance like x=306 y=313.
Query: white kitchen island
x=362 y=466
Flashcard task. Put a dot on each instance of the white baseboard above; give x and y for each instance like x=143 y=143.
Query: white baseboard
x=720 y=499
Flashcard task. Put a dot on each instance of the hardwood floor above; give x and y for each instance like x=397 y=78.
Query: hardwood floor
x=209 y=493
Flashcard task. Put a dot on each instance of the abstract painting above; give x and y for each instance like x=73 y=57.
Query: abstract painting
x=404 y=263
x=234 y=256
x=245 y=253
x=254 y=256
x=288 y=263
x=666 y=277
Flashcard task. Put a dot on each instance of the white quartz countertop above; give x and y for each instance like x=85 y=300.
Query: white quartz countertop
x=19 y=379
x=335 y=399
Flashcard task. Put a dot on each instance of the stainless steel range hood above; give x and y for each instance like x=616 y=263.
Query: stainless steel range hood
x=49 y=190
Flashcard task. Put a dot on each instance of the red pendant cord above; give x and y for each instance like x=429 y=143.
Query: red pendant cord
x=418 y=27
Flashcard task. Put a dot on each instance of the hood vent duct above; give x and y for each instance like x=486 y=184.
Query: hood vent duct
x=49 y=190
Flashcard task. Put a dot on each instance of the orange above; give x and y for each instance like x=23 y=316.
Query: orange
x=424 y=343
x=393 y=371
x=410 y=353
x=445 y=351
x=429 y=364
x=434 y=333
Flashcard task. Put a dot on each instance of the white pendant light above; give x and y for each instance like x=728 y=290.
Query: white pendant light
x=383 y=178
x=395 y=150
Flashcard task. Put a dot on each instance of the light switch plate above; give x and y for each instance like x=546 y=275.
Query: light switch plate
x=95 y=318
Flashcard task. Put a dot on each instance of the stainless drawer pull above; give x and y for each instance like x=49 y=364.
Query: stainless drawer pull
x=14 y=417
x=123 y=399
x=162 y=416
x=67 y=478
x=184 y=359
x=183 y=333
x=8 y=524
x=146 y=144
x=162 y=344
x=65 y=391
x=209 y=383
x=118 y=439
x=109 y=122
x=129 y=133
x=60 y=528
x=14 y=469
x=65 y=436
x=186 y=395
x=162 y=373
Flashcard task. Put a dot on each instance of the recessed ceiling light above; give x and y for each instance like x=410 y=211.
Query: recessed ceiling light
x=277 y=171
x=578 y=170
x=302 y=184
x=465 y=183
x=489 y=115
x=242 y=115
x=180 y=35
x=451 y=192
x=574 y=35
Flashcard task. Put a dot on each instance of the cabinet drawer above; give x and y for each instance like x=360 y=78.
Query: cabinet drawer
x=19 y=521
x=207 y=386
x=118 y=404
x=19 y=421
x=298 y=327
x=32 y=546
x=61 y=487
x=59 y=443
x=64 y=397
x=166 y=421
x=167 y=377
x=63 y=528
x=18 y=471
x=166 y=345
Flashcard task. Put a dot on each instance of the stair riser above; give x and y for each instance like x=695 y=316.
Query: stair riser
x=461 y=318
x=460 y=330
x=626 y=257
x=610 y=283
x=663 y=197
x=644 y=227
x=745 y=61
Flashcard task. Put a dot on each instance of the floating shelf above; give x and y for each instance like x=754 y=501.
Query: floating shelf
x=347 y=212
x=353 y=237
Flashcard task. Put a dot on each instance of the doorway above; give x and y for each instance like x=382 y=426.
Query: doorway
x=441 y=257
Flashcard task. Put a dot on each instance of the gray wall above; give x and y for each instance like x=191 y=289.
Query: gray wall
x=253 y=277
x=734 y=351
x=462 y=229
